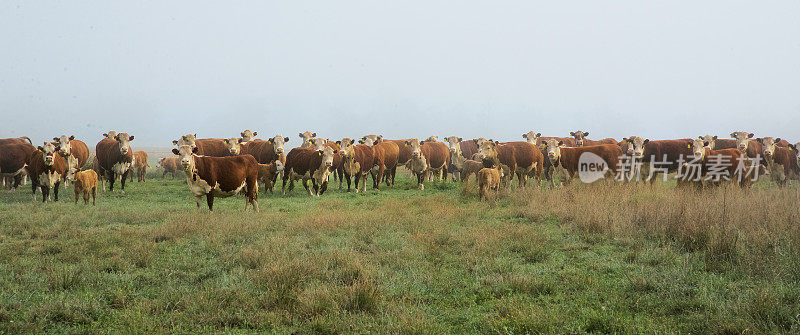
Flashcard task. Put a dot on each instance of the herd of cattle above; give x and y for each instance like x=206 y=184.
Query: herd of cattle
x=225 y=167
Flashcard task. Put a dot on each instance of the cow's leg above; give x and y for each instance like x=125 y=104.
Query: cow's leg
x=348 y=178
x=313 y=186
x=45 y=193
x=85 y=197
x=356 y=177
x=324 y=187
x=33 y=190
x=124 y=174
x=77 y=195
x=420 y=180
x=55 y=190
x=111 y=179
x=381 y=170
x=17 y=180
x=394 y=173
x=210 y=201
x=94 y=194
x=283 y=188
x=340 y=172
x=198 y=199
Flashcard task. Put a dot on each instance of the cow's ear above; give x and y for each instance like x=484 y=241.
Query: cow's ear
x=733 y=135
x=524 y=135
x=130 y=138
x=175 y=151
x=380 y=137
x=272 y=140
x=750 y=135
x=699 y=137
x=760 y=140
x=792 y=146
x=572 y=133
x=646 y=140
x=286 y=139
x=40 y=148
x=560 y=143
x=422 y=142
x=105 y=134
x=408 y=143
x=313 y=134
x=360 y=141
x=300 y=134
x=241 y=140
x=586 y=134
x=714 y=138
x=174 y=142
x=195 y=150
x=339 y=143
x=777 y=140
x=56 y=139
x=352 y=141
x=624 y=139
x=72 y=137
x=255 y=133
x=496 y=142
x=195 y=135
x=319 y=152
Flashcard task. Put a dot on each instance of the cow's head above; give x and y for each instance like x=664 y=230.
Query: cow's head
x=796 y=151
x=233 y=145
x=248 y=135
x=278 y=166
x=454 y=143
x=371 y=139
x=277 y=143
x=768 y=146
x=531 y=136
x=65 y=147
x=110 y=134
x=552 y=148
x=188 y=139
x=488 y=150
x=478 y=141
x=432 y=138
x=160 y=161
x=709 y=140
x=318 y=143
x=306 y=137
x=742 y=139
x=327 y=154
x=347 y=146
x=579 y=136
x=416 y=147
x=124 y=142
x=49 y=150
x=698 y=148
x=186 y=156
x=633 y=146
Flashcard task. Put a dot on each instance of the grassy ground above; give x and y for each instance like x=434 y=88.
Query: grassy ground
x=621 y=258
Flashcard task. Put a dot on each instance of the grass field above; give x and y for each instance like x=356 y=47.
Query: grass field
x=580 y=259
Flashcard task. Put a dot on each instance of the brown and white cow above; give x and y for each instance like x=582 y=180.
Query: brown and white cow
x=75 y=152
x=170 y=165
x=661 y=154
x=729 y=162
x=370 y=139
x=535 y=138
x=114 y=158
x=214 y=147
x=566 y=159
x=432 y=138
x=140 y=165
x=46 y=168
x=268 y=174
x=111 y=134
x=780 y=162
x=385 y=162
x=428 y=159
x=405 y=151
x=468 y=148
x=357 y=163
x=86 y=184
x=14 y=154
x=265 y=152
x=489 y=182
x=248 y=135
x=219 y=176
x=308 y=164
x=306 y=137
x=522 y=159
x=581 y=140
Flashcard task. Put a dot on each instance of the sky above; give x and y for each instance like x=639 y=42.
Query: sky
x=403 y=69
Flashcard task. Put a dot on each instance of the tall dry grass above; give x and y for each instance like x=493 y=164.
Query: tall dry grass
x=756 y=230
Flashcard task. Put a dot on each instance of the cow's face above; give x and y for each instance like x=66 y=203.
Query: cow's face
x=277 y=143
x=416 y=147
x=488 y=150
x=327 y=156
x=317 y=143
x=65 y=147
x=709 y=140
x=742 y=139
x=124 y=141
x=160 y=161
x=366 y=141
x=432 y=138
x=553 y=149
x=768 y=145
x=111 y=134
x=796 y=150
x=188 y=139
x=347 y=147
x=531 y=136
x=454 y=143
x=579 y=136
x=634 y=146
x=248 y=135
x=306 y=137
x=186 y=156
x=49 y=150
x=278 y=166
x=371 y=139
x=233 y=145
x=479 y=141
x=698 y=148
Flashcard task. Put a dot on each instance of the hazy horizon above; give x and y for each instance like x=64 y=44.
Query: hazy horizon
x=496 y=69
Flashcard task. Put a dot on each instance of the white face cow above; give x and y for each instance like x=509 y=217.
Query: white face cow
x=634 y=146
x=579 y=136
x=346 y=145
x=186 y=156
x=768 y=146
x=110 y=134
x=317 y=143
x=64 y=144
x=306 y=137
x=742 y=139
x=327 y=156
x=371 y=139
x=454 y=143
x=277 y=143
x=796 y=150
x=432 y=138
x=531 y=136
x=698 y=148
x=416 y=147
x=188 y=139
x=248 y=135
x=49 y=150
x=709 y=140
x=553 y=149
x=124 y=142
x=233 y=145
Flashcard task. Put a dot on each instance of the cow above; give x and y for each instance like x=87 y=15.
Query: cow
x=567 y=158
x=268 y=174
x=219 y=176
x=712 y=165
x=306 y=138
x=14 y=154
x=75 y=152
x=305 y=164
x=428 y=158
x=85 y=183
x=111 y=134
x=432 y=138
x=265 y=152
x=357 y=162
x=248 y=135
x=385 y=161
x=96 y=167
x=489 y=182
x=534 y=138
x=371 y=139
x=796 y=152
x=140 y=165
x=471 y=167
x=114 y=157
x=581 y=140
x=522 y=159
x=170 y=165
x=468 y=148
x=46 y=168
x=780 y=162
x=460 y=166
x=656 y=156
x=214 y=147
x=405 y=151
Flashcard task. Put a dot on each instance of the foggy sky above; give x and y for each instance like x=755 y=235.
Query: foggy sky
x=160 y=69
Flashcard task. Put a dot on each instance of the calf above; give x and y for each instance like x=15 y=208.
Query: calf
x=428 y=158
x=567 y=159
x=86 y=182
x=14 y=154
x=384 y=156
x=115 y=157
x=219 y=176
x=46 y=168
x=731 y=162
x=268 y=174
x=522 y=159
x=780 y=162
x=170 y=165
x=489 y=182
x=75 y=152
x=358 y=160
x=471 y=167
x=305 y=164
x=140 y=165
